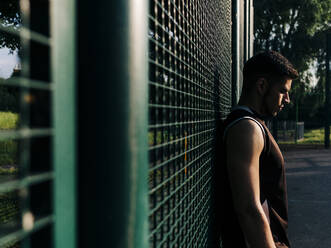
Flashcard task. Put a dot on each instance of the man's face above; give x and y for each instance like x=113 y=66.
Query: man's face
x=277 y=96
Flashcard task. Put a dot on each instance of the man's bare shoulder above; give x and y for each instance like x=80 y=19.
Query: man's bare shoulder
x=246 y=134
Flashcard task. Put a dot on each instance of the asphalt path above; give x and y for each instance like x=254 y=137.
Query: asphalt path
x=308 y=175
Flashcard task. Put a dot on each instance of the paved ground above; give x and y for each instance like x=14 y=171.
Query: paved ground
x=309 y=195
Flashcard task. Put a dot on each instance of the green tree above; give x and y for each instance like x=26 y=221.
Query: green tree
x=10 y=18
x=8 y=97
x=296 y=28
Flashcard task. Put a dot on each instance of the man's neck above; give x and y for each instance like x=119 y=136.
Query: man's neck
x=251 y=104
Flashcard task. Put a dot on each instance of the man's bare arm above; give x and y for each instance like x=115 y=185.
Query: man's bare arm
x=244 y=145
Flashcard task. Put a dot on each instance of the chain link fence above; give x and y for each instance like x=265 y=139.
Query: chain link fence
x=189 y=89
x=287 y=131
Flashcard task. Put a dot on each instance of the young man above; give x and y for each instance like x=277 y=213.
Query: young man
x=251 y=186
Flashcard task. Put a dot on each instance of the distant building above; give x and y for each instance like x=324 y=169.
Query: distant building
x=17 y=70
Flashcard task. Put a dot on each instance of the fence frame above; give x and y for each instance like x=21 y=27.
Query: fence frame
x=63 y=26
x=112 y=117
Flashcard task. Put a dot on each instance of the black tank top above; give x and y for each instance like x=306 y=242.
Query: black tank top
x=272 y=186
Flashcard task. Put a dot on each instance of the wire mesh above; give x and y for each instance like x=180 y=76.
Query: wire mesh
x=189 y=89
x=26 y=182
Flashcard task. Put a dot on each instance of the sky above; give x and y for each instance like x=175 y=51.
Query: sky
x=7 y=62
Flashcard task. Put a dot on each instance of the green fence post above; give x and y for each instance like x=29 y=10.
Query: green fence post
x=63 y=75
x=112 y=88
x=247 y=30
x=296 y=121
x=235 y=51
x=138 y=124
x=251 y=28
x=327 y=93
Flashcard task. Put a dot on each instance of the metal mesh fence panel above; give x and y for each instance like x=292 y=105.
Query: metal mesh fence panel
x=26 y=180
x=189 y=89
x=242 y=42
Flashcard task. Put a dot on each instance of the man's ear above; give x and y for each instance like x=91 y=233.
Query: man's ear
x=262 y=85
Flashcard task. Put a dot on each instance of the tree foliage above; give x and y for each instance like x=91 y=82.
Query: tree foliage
x=297 y=29
x=10 y=18
x=8 y=97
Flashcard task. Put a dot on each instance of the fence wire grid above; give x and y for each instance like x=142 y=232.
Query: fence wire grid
x=189 y=89
x=26 y=183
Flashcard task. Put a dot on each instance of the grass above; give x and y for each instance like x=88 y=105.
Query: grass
x=311 y=137
x=9 y=210
x=8 y=148
x=8 y=152
x=9 y=213
x=8 y=120
x=314 y=136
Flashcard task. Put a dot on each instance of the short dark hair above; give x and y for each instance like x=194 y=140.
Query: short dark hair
x=268 y=64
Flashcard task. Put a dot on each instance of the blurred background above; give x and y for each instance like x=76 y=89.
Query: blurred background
x=298 y=29
x=108 y=112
